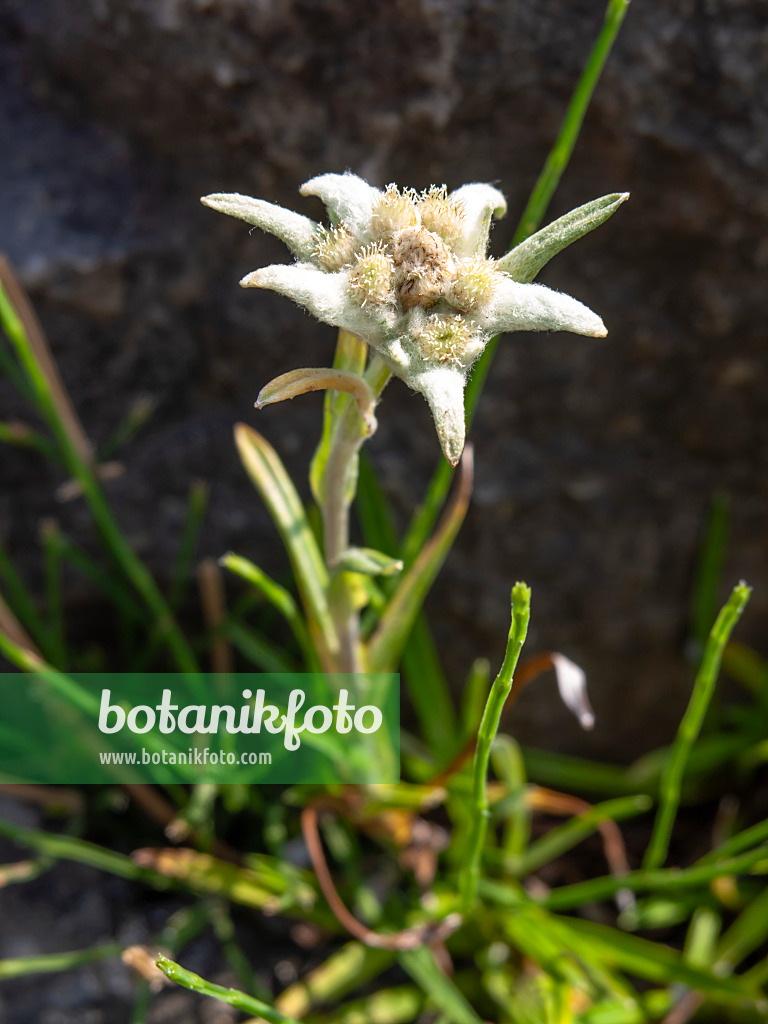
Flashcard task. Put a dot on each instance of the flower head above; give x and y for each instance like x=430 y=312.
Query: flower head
x=408 y=273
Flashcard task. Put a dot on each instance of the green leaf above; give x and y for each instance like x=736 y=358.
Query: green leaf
x=524 y=262
x=420 y=964
x=369 y=562
x=49 y=963
x=278 y=597
x=690 y=727
x=387 y=643
x=241 y=1001
x=271 y=479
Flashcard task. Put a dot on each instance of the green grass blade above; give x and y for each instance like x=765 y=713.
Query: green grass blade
x=386 y=645
x=560 y=154
x=83 y=473
x=421 y=666
x=279 y=598
x=747 y=933
x=279 y=495
x=687 y=733
x=265 y=655
x=65 y=847
x=710 y=571
x=420 y=964
x=534 y=212
x=23 y=606
x=51 y=963
x=197 y=503
x=21 y=436
x=241 y=1001
x=489 y=726
x=564 y=837
x=569 y=897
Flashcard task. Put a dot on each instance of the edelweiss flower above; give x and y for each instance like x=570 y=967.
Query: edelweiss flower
x=408 y=273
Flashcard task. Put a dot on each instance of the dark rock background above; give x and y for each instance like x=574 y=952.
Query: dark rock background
x=596 y=460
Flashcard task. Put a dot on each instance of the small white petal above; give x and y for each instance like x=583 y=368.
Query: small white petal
x=533 y=307
x=346 y=197
x=297 y=231
x=443 y=388
x=572 y=683
x=480 y=203
x=324 y=295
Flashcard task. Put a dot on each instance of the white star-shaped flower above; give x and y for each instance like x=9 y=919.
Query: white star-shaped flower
x=408 y=273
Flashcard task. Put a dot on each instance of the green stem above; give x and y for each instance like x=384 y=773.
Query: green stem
x=569 y=897
x=554 y=166
x=704 y=686
x=248 y=1004
x=49 y=963
x=340 y=486
x=560 y=154
x=521 y=612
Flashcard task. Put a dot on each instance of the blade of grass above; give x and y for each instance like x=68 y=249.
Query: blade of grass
x=81 y=469
x=510 y=768
x=279 y=495
x=554 y=166
x=687 y=733
x=22 y=606
x=564 y=837
x=279 y=598
x=49 y=534
x=64 y=847
x=421 y=666
x=241 y=1001
x=386 y=645
x=197 y=504
x=710 y=571
x=266 y=656
x=51 y=963
x=567 y=897
x=502 y=685
x=22 y=436
x=420 y=964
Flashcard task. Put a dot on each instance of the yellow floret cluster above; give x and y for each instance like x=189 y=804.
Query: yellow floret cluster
x=371 y=276
x=445 y=338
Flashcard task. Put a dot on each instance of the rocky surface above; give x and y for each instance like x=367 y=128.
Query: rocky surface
x=596 y=460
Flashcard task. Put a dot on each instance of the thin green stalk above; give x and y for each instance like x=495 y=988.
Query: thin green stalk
x=49 y=963
x=197 y=504
x=554 y=166
x=565 y=836
x=23 y=606
x=567 y=897
x=70 y=848
x=693 y=719
x=22 y=436
x=241 y=1001
x=53 y=590
x=340 y=484
x=521 y=612
x=83 y=473
x=279 y=598
x=560 y=154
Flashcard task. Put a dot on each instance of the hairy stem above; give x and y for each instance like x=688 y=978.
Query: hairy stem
x=340 y=487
